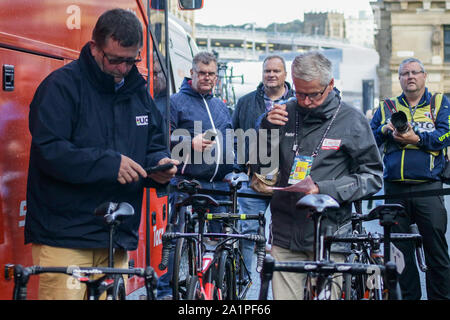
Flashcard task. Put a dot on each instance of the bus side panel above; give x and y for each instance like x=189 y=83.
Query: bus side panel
x=155 y=212
x=15 y=139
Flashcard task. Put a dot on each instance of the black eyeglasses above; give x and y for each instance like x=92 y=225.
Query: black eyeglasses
x=203 y=74
x=414 y=73
x=120 y=60
x=312 y=96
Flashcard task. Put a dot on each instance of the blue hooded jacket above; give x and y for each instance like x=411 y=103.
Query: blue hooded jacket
x=189 y=106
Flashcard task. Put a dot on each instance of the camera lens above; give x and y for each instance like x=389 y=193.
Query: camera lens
x=399 y=121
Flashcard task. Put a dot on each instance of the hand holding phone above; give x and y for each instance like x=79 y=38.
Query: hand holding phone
x=158 y=168
x=210 y=134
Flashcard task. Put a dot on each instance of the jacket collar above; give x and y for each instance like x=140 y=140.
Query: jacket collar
x=104 y=82
x=424 y=101
x=260 y=88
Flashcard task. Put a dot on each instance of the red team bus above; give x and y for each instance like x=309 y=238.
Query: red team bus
x=37 y=37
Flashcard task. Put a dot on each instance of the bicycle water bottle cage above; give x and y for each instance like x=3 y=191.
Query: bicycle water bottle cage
x=110 y=211
x=317 y=202
x=388 y=212
x=200 y=202
x=189 y=187
x=235 y=179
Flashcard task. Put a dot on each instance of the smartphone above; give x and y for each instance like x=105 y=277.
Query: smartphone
x=210 y=135
x=162 y=167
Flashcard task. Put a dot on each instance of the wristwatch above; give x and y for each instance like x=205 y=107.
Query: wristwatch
x=419 y=142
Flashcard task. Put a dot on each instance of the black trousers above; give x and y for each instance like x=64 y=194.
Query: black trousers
x=430 y=215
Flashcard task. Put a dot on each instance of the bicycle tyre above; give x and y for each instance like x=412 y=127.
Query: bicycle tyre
x=118 y=289
x=354 y=285
x=183 y=269
x=194 y=290
x=226 y=277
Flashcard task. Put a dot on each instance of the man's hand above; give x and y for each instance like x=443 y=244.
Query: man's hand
x=129 y=171
x=278 y=115
x=408 y=137
x=163 y=177
x=387 y=127
x=200 y=144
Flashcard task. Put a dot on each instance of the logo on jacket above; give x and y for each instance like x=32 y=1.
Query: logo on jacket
x=142 y=120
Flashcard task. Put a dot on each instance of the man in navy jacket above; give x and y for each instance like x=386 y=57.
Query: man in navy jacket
x=94 y=129
x=193 y=112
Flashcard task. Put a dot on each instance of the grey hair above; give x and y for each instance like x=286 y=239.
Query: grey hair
x=410 y=60
x=312 y=65
x=275 y=56
x=203 y=57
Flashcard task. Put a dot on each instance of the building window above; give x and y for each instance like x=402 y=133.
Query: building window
x=447 y=43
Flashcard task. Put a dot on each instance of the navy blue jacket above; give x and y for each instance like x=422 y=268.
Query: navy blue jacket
x=80 y=126
x=187 y=107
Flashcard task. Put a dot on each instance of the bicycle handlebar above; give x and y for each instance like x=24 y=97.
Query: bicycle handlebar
x=22 y=274
x=169 y=236
x=358 y=238
x=326 y=267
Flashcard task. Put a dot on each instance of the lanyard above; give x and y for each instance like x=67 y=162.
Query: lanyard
x=297 y=128
x=412 y=112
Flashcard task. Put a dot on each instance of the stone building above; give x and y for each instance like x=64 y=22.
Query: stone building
x=329 y=24
x=407 y=28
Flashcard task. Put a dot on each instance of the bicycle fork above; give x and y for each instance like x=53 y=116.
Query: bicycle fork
x=207 y=284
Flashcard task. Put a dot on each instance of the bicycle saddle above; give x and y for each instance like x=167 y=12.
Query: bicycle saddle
x=235 y=179
x=189 y=187
x=112 y=210
x=395 y=209
x=318 y=202
x=200 y=200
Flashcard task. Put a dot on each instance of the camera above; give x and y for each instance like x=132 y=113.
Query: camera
x=399 y=121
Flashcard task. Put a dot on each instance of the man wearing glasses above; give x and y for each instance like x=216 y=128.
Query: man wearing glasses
x=332 y=140
x=413 y=159
x=94 y=130
x=273 y=89
x=198 y=124
x=203 y=121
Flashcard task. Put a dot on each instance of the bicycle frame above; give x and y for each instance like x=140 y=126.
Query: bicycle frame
x=207 y=257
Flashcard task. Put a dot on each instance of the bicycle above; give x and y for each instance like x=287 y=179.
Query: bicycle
x=183 y=267
x=112 y=281
x=319 y=272
x=366 y=249
x=213 y=275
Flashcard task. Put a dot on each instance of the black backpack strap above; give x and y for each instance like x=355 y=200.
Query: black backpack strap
x=390 y=105
x=433 y=106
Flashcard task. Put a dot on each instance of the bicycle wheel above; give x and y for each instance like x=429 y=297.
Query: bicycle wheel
x=226 y=277
x=118 y=291
x=194 y=290
x=183 y=269
x=354 y=285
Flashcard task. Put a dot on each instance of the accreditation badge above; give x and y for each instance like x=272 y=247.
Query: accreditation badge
x=300 y=169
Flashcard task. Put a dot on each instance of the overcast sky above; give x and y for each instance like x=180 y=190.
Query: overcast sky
x=265 y=12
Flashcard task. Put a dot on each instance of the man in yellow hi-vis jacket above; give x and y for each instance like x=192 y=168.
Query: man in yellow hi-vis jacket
x=414 y=128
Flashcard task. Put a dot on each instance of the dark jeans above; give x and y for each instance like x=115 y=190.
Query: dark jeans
x=430 y=215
